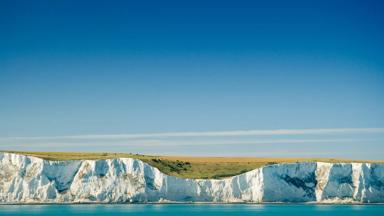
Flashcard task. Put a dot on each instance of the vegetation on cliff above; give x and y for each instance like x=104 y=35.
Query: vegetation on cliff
x=186 y=167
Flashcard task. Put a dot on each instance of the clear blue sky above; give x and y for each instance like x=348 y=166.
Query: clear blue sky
x=127 y=67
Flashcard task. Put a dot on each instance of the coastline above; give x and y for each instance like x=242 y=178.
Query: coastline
x=130 y=181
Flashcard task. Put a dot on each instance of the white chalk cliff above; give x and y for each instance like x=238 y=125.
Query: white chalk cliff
x=25 y=179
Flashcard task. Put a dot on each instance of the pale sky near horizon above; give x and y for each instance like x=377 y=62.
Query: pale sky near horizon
x=141 y=77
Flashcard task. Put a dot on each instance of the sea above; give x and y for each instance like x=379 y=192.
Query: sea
x=193 y=209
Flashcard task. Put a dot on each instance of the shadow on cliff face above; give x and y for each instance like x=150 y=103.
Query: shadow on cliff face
x=294 y=182
x=307 y=183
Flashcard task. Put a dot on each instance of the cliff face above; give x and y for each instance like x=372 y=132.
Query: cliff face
x=26 y=179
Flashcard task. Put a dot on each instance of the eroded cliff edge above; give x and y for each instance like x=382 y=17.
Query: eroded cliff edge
x=25 y=179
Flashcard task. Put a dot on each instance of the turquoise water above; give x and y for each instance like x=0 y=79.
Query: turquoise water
x=196 y=209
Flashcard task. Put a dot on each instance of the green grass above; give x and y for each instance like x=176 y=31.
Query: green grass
x=187 y=167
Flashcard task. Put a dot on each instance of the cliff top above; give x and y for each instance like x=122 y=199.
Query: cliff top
x=187 y=166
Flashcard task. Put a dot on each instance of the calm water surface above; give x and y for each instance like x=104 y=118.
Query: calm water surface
x=196 y=209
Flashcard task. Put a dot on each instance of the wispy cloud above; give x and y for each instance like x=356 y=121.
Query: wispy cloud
x=346 y=142
x=234 y=133
x=170 y=143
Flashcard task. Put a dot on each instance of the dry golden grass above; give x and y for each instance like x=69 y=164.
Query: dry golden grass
x=186 y=166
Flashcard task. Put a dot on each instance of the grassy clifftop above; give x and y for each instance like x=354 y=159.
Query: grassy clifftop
x=186 y=167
